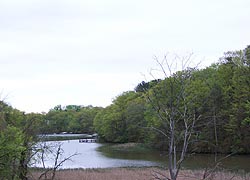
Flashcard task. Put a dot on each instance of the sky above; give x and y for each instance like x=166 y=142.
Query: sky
x=87 y=52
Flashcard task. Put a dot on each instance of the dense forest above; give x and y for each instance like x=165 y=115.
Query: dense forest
x=218 y=95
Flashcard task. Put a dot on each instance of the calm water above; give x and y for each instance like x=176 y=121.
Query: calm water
x=89 y=157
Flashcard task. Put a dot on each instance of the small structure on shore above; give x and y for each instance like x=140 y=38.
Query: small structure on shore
x=87 y=140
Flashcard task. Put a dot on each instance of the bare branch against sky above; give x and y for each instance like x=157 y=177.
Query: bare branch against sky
x=89 y=51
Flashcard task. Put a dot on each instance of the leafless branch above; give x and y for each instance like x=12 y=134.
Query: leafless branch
x=159 y=176
x=57 y=163
x=176 y=110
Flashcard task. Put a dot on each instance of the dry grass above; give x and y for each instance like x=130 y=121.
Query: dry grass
x=134 y=147
x=126 y=145
x=136 y=174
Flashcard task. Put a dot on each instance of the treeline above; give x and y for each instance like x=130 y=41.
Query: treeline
x=19 y=134
x=71 y=119
x=218 y=96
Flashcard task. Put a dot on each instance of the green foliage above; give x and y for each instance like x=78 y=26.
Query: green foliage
x=72 y=118
x=17 y=136
x=11 y=140
x=123 y=121
x=218 y=94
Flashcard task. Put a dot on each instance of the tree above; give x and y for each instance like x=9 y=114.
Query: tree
x=45 y=151
x=173 y=105
x=17 y=137
x=11 y=139
x=120 y=121
x=237 y=64
x=85 y=118
x=135 y=119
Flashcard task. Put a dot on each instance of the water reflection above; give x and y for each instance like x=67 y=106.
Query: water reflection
x=234 y=163
x=194 y=161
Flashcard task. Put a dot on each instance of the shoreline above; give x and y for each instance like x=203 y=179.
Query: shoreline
x=138 y=173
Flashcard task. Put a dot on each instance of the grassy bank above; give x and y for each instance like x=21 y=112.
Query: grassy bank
x=136 y=174
x=126 y=147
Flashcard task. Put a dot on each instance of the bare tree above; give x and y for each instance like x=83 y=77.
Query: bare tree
x=52 y=150
x=173 y=105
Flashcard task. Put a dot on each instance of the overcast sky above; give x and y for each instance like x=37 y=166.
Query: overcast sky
x=89 y=51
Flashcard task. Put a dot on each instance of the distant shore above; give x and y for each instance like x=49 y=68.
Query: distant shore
x=144 y=173
x=63 y=137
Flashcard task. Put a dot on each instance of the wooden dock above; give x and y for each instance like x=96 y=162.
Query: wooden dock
x=87 y=140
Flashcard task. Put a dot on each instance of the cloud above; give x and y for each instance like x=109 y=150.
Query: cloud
x=87 y=52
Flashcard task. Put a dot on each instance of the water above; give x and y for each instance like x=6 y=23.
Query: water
x=88 y=156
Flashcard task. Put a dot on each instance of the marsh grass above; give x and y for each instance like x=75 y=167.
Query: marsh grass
x=126 y=147
x=137 y=174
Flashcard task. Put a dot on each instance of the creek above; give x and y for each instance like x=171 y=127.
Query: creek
x=89 y=156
